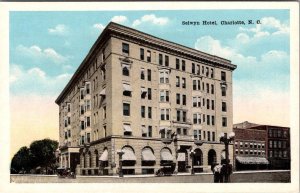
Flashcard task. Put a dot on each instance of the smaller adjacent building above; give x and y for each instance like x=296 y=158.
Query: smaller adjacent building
x=261 y=146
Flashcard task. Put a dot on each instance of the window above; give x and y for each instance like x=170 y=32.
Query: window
x=207 y=103
x=270 y=144
x=207 y=88
x=164 y=96
x=183 y=116
x=127 y=90
x=142 y=74
x=88 y=88
x=177 y=64
x=166 y=60
x=125 y=70
x=88 y=121
x=183 y=83
x=178 y=115
x=149 y=131
x=126 y=109
x=149 y=94
x=88 y=137
x=207 y=71
x=183 y=65
x=208 y=120
x=82 y=125
x=197 y=118
x=213 y=136
x=69 y=120
x=178 y=99
x=150 y=112
x=208 y=135
x=143 y=111
x=103 y=75
x=197 y=134
x=142 y=57
x=274 y=144
x=199 y=85
x=66 y=135
x=270 y=153
x=224 y=107
x=223 y=89
x=149 y=75
x=104 y=112
x=224 y=121
x=177 y=81
x=279 y=144
x=148 y=56
x=164 y=77
x=223 y=75
x=82 y=139
x=193 y=68
x=211 y=73
x=212 y=120
x=198 y=69
x=195 y=101
x=212 y=104
x=127 y=130
x=69 y=107
x=183 y=99
x=212 y=89
x=202 y=69
x=81 y=94
x=194 y=84
x=285 y=154
x=88 y=105
x=125 y=48
x=143 y=92
x=165 y=114
x=160 y=59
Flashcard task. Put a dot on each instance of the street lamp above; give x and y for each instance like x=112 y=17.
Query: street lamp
x=120 y=153
x=226 y=140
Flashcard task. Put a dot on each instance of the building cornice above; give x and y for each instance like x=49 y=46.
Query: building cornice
x=141 y=38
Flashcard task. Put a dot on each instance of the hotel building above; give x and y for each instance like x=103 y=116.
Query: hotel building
x=154 y=100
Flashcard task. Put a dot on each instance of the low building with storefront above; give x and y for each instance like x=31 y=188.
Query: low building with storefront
x=142 y=101
x=261 y=146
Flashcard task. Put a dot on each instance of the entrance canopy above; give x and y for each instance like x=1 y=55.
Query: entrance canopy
x=147 y=155
x=104 y=156
x=252 y=160
x=165 y=155
x=128 y=154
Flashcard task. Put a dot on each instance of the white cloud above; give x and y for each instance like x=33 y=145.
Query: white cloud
x=151 y=18
x=269 y=26
x=35 y=80
x=99 y=26
x=243 y=38
x=59 y=29
x=36 y=52
x=119 y=19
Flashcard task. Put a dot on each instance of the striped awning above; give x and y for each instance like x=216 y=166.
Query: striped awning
x=165 y=155
x=252 y=160
x=144 y=129
x=181 y=157
x=147 y=155
x=104 y=156
x=102 y=93
x=127 y=128
x=127 y=87
x=128 y=154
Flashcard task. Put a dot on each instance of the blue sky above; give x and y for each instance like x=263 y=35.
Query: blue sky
x=47 y=47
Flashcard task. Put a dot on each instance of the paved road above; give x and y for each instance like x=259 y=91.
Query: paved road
x=237 y=177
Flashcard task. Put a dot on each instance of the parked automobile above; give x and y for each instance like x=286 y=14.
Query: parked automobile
x=166 y=170
x=63 y=172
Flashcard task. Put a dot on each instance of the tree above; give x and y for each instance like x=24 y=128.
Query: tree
x=43 y=153
x=21 y=161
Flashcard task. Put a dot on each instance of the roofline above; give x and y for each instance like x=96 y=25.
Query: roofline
x=113 y=28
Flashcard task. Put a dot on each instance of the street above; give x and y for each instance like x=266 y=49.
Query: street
x=237 y=177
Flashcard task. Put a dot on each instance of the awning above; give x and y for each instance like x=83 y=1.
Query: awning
x=143 y=90
x=104 y=156
x=127 y=128
x=181 y=157
x=102 y=93
x=147 y=155
x=252 y=160
x=128 y=154
x=127 y=87
x=144 y=129
x=165 y=155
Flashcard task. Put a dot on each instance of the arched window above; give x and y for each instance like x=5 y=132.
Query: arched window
x=212 y=157
x=125 y=70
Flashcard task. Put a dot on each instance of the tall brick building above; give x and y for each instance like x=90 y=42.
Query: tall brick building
x=154 y=100
x=261 y=146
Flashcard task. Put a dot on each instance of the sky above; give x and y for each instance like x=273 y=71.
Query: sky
x=47 y=47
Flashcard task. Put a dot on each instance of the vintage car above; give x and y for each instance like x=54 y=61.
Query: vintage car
x=63 y=172
x=167 y=169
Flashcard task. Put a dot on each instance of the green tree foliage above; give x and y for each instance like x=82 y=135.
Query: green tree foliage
x=21 y=161
x=41 y=153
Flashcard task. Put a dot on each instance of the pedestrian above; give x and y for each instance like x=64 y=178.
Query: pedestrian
x=216 y=169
